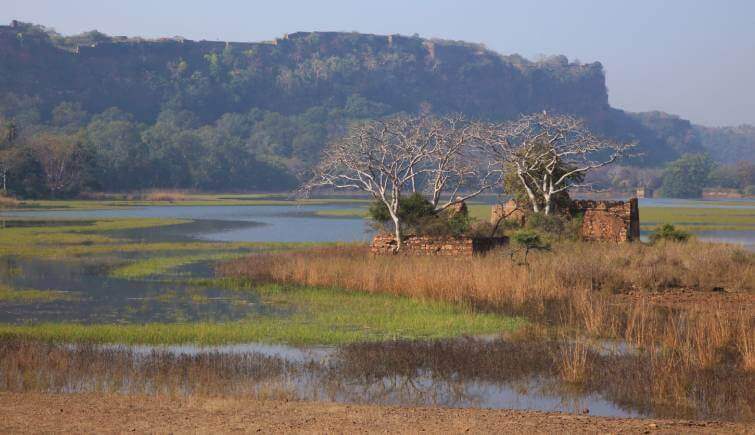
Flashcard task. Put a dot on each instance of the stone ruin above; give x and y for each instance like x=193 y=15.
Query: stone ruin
x=510 y=211
x=385 y=244
x=613 y=221
x=644 y=192
x=450 y=246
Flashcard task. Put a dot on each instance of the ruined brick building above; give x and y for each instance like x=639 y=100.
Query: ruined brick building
x=614 y=221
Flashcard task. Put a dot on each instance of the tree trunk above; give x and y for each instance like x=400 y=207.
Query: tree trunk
x=397 y=229
x=548 y=204
x=530 y=193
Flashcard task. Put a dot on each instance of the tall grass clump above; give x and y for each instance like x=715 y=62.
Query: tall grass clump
x=605 y=290
x=8 y=202
x=165 y=195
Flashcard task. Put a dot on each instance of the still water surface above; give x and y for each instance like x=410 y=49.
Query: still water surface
x=246 y=223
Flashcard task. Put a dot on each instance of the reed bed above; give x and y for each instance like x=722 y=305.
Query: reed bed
x=693 y=298
x=9 y=202
x=166 y=195
x=388 y=371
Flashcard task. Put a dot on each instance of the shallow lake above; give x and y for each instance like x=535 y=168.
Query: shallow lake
x=300 y=223
x=94 y=297
x=243 y=223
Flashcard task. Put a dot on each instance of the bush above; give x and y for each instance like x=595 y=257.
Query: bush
x=558 y=226
x=528 y=240
x=412 y=210
x=669 y=232
x=418 y=216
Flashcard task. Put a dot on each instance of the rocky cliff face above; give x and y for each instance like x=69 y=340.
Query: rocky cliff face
x=302 y=70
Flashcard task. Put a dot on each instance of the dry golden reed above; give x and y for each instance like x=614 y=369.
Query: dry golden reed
x=602 y=290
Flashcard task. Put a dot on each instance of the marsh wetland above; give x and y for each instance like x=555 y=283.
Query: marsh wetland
x=217 y=299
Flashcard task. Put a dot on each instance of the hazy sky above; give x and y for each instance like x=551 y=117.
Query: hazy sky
x=692 y=58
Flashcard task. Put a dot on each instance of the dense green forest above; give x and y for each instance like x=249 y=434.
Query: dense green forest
x=95 y=112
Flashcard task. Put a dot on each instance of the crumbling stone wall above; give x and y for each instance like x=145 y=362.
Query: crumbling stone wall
x=510 y=211
x=385 y=244
x=615 y=221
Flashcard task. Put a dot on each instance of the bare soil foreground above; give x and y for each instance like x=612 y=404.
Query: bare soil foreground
x=33 y=412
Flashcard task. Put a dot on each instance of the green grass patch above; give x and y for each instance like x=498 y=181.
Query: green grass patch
x=343 y=212
x=70 y=240
x=186 y=200
x=8 y=294
x=318 y=316
x=698 y=218
x=93 y=239
x=161 y=265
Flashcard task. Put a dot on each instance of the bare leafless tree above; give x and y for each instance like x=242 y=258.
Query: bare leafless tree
x=549 y=153
x=389 y=157
x=59 y=158
x=457 y=170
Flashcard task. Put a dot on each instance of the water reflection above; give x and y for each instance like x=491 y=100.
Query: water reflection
x=471 y=373
x=101 y=299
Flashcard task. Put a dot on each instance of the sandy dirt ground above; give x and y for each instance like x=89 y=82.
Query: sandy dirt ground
x=32 y=412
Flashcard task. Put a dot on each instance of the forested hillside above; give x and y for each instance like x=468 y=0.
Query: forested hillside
x=729 y=144
x=135 y=113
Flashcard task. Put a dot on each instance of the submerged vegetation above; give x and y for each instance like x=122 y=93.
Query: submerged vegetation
x=168 y=198
x=302 y=316
x=8 y=294
x=700 y=216
x=315 y=315
x=161 y=265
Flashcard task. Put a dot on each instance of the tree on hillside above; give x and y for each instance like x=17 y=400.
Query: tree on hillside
x=390 y=157
x=60 y=158
x=686 y=177
x=549 y=154
x=8 y=136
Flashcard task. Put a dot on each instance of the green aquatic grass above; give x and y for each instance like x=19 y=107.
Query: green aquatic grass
x=161 y=265
x=317 y=316
x=343 y=212
x=70 y=240
x=95 y=239
x=698 y=218
x=310 y=316
x=8 y=294
x=187 y=200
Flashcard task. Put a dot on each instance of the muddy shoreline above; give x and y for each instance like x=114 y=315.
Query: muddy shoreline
x=109 y=413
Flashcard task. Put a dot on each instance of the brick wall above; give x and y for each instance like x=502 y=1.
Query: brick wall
x=385 y=244
x=615 y=221
x=509 y=211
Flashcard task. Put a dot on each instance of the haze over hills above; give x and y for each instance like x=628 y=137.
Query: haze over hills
x=234 y=115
